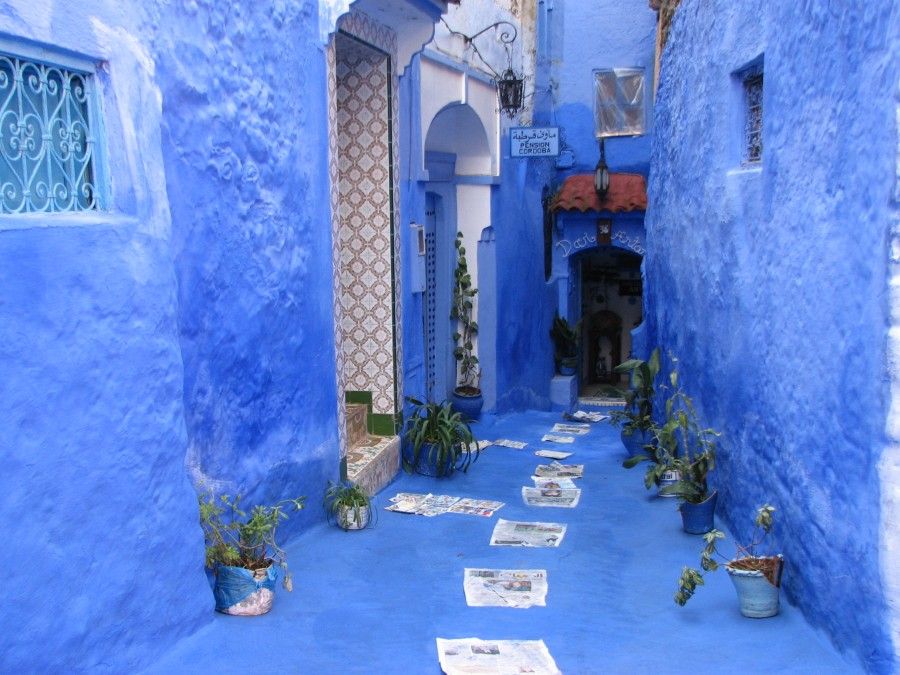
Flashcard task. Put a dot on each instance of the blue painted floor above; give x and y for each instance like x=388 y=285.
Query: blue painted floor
x=374 y=601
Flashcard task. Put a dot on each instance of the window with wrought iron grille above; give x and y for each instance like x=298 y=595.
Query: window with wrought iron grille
x=47 y=143
x=753 y=116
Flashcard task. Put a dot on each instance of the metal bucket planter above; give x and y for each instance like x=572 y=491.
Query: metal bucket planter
x=635 y=441
x=242 y=592
x=668 y=478
x=757 y=588
x=353 y=518
x=699 y=518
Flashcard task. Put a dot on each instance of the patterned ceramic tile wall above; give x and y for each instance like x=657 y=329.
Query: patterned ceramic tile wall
x=334 y=177
x=365 y=251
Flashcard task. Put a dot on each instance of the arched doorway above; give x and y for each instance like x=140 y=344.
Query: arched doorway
x=457 y=156
x=611 y=306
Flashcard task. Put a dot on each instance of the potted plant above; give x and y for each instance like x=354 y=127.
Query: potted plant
x=439 y=440
x=348 y=504
x=756 y=577
x=637 y=417
x=467 y=398
x=565 y=345
x=242 y=553
x=689 y=451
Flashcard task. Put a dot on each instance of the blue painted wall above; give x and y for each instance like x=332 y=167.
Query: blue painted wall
x=245 y=145
x=573 y=38
x=770 y=283
x=190 y=322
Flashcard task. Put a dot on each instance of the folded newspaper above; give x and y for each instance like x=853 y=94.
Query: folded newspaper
x=551 y=483
x=577 y=429
x=557 y=470
x=422 y=505
x=583 y=416
x=505 y=588
x=506 y=443
x=495 y=657
x=436 y=505
x=567 y=499
x=557 y=438
x=533 y=535
x=553 y=454
x=476 y=507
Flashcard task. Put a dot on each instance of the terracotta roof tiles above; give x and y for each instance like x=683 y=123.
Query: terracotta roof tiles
x=627 y=192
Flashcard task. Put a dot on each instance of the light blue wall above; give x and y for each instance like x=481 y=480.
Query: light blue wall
x=191 y=322
x=770 y=285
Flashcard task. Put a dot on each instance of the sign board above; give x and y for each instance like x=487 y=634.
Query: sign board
x=534 y=141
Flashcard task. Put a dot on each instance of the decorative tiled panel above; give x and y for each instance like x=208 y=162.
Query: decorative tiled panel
x=365 y=249
x=334 y=179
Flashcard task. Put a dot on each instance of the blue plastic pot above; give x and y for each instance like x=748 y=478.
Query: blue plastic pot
x=699 y=518
x=467 y=406
x=635 y=441
x=758 y=596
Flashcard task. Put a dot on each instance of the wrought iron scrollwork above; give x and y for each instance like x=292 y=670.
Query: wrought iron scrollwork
x=46 y=145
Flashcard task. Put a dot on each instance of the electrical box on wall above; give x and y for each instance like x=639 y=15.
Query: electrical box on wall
x=417 y=264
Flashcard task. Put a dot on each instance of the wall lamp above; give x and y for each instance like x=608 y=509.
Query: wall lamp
x=601 y=173
x=510 y=87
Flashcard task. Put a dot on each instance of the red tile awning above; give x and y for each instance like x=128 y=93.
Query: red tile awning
x=627 y=192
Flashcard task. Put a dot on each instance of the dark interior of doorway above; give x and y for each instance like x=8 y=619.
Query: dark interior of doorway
x=611 y=307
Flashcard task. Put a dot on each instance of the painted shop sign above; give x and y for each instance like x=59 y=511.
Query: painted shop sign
x=534 y=141
x=589 y=240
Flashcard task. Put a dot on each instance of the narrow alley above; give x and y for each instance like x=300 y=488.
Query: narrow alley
x=374 y=601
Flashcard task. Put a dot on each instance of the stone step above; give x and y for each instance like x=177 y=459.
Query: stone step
x=374 y=466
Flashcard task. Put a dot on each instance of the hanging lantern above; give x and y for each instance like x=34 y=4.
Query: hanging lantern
x=601 y=174
x=511 y=90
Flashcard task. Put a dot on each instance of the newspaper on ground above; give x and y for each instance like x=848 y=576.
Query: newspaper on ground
x=556 y=470
x=556 y=438
x=554 y=483
x=584 y=416
x=436 y=505
x=553 y=454
x=422 y=505
x=476 y=507
x=566 y=499
x=505 y=588
x=533 y=535
x=495 y=657
x=576 y=429
x=518 y=445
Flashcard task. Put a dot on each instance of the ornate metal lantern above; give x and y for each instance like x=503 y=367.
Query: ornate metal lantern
x=511 y=90
x=601 y=174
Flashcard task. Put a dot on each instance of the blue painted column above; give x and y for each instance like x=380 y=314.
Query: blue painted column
x=487 y=316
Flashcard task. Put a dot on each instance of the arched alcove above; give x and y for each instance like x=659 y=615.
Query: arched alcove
x=456 y=147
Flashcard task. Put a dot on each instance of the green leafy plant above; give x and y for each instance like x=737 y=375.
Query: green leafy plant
x=438 y=438
x=244 y=538
x=467 y=329
x=342 y=499
x=638 y=412
x=566 y=339
x=679 y=444
x=746 y=558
